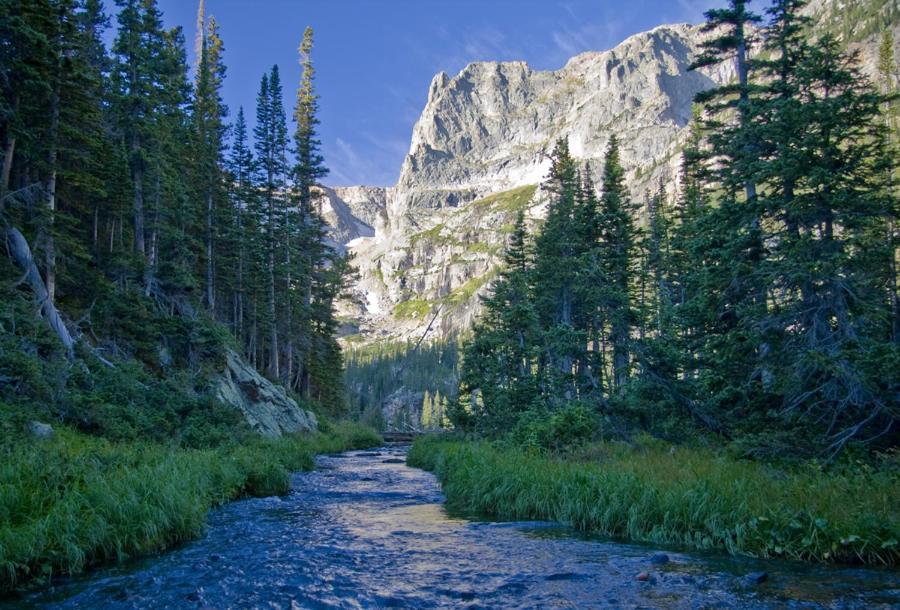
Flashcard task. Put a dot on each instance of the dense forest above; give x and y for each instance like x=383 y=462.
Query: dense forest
x=155 y=258
x=153 y=234
x=760 y=306
x=418 y=379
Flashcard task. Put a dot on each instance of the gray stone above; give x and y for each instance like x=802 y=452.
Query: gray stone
x=40 y=430
x=659 y=559
x=266 y=406
x=756 y=578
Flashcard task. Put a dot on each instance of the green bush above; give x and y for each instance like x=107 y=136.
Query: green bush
x=558 y=431
x=695 y=497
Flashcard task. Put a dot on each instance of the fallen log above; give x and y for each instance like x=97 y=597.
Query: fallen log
x=20 y=251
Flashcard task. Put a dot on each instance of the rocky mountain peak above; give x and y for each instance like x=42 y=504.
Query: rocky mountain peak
x=478 y=154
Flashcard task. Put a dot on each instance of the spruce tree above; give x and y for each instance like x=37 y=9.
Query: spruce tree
x=209 y=129
x=555 y=248
x=498 y=376
x=271 y=146
x=240 y=237
x=618 y=241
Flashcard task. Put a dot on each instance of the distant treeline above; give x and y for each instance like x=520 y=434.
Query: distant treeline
x=376 y=372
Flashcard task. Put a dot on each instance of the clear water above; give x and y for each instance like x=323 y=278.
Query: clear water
x=366 y=531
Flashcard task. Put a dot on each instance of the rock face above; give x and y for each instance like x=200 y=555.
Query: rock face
x=402 y=410
x=490 y=127
x=266 y=407
x=479 y=152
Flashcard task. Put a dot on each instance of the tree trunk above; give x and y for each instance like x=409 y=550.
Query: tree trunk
x=273 y=347
x=210 y=274
x=21 y=253
x=50 y=254
x=289 y=322
x=743 y=77
x=137 y=179
x=9 y=150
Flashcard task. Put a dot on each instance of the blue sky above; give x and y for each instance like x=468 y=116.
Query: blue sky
x=375 y=58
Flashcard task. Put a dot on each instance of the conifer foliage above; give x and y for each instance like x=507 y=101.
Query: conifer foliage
x=759 y=306
x=140 y=201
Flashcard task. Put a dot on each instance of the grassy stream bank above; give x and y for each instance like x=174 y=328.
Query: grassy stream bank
x=73 y=500
x=694 y=497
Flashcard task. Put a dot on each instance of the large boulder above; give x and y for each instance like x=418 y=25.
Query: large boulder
x=266 y=406
x=40 y=430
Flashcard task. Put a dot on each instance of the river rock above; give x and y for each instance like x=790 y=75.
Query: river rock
x=659 y=559
x=756 y=578
x=266 y=406
x=40 y=430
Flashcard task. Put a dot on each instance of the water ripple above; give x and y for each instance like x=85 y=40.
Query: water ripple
x=365 y=531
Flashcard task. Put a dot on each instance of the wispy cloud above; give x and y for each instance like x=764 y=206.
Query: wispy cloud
x=692 y=10
x=379 y=164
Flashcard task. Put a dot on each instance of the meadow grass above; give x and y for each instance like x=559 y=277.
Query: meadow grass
x=695 y=497
x=73 y=500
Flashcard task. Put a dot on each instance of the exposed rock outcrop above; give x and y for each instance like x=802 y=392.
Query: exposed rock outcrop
x=478 y=153
x=266 y=406
x=480 y=149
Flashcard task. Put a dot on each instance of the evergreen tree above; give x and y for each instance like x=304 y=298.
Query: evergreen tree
x=318 y=278
x=271 y=145
x=554 y=276
x=590 y=291
x=209 y=129
x=618 y=241
x=240 y=238
x=498 y=378
x=139 y=73
x=889 y=73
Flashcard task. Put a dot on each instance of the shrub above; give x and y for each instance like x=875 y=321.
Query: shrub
x=558 y=431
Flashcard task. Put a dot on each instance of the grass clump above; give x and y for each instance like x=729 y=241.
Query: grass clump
x=433 y=237
x=413 y=309
x=696 y=497
x=75 y=500
x=510 y=201
x=465 y=292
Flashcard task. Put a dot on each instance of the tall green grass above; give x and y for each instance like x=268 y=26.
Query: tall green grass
x=693 y=497
x=73 y=500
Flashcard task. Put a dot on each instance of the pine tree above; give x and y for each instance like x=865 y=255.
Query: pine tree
x=139 y=51
x=271 y=147
x=319 y=274
x=889 y=73
x=618 y=241
x=555 y=248
x=829 y=269
x=733 y=25
x=590 y=291
x=498 y=377
x=240 y=239
x=209 y=129
x=428 y=417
